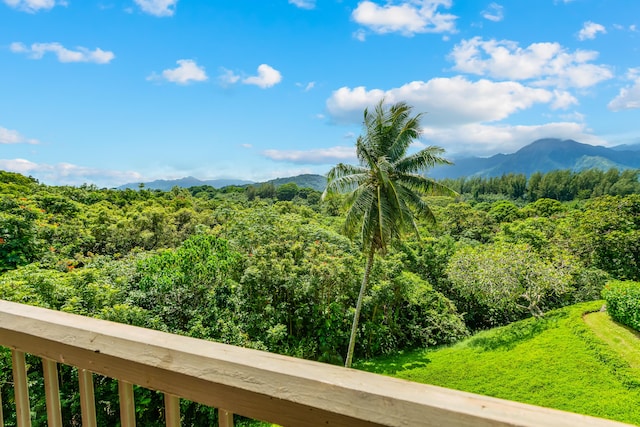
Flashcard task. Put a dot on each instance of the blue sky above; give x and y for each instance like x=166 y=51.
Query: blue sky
x=114 y=91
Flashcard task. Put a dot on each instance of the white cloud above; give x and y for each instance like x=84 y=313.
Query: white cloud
x=228 y=77
x=8 y=136
x=629 y=97
x=306 y=87
x=267 y=77
x=464 y=116
x=33 y=6
x=483 y=140
x=590 y=30
x=186 y=72
x=545 y=64
x=81 y=54
x=69 y=174
x=159 y=8
x=407 y=17
x=563 y=100
x=319 y=156
x=360 y=35
x=303 y=4
x=446 y=101
x=494 y=12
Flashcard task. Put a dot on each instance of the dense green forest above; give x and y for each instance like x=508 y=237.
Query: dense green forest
x=268 y=267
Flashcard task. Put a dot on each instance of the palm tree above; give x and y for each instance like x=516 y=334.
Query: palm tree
x=384 y=193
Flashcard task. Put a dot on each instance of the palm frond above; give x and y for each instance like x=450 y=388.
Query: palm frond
x=384 y=194
x=425 y=185
x=424 y=159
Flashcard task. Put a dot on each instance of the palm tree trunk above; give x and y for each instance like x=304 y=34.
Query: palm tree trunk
x=356 y=315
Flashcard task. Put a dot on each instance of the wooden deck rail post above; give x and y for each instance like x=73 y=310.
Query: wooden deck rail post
x=21 y=388
x=87 y=398
x=171 y=410
x=52 y=393
x=1 y=416
x=225 y=418
x=127 y=404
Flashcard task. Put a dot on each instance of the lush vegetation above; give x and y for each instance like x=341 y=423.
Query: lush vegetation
x=271 y=270
x=558 y=362
x=623 y=302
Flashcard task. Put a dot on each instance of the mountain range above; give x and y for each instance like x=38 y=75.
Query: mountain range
x=543 y=155
x=317 y=182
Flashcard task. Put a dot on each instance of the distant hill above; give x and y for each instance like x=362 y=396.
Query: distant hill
x=543 y=155
x=317 y=182
x=166 y=185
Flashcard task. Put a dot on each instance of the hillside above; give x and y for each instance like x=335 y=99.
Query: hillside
x=558 y=362
x=317 y=182
x=544 y=155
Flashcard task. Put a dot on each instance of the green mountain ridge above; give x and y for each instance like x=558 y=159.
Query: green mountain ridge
x=543 y=155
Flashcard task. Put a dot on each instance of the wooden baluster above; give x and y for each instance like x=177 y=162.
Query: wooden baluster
x=21 y=389
x=225 y=418
x=1 y=417
x=127 y=404
x=52 y=393
x=87 y=398
x=171 y=410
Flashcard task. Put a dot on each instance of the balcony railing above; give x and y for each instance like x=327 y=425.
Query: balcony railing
x=254 y=384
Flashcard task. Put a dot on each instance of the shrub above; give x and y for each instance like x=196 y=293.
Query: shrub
x=623 y=302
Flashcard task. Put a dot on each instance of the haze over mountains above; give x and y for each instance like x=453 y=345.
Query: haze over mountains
x=543 y=155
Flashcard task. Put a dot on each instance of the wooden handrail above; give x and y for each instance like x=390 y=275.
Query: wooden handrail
x=256 y=384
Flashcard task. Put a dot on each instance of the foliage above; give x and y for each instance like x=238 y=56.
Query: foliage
x=506 y=279
x=623 y=302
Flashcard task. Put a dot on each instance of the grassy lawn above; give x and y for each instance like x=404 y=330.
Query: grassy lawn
x=558 y=362
x=620 y=338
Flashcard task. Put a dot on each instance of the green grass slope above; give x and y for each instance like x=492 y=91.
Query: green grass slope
x=559 y=362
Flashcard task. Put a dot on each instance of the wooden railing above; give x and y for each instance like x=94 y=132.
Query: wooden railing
x=255 y=384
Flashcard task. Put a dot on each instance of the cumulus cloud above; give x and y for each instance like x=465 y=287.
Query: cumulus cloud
x=303 y=4
x=160 y=8
x=33 y=6
x=629 y=97
x=545 y=64
x=466 y=117
x=407 y=17
x=81 y=54
x=494 y=12
x=267 y=77
x=478 y=139
x=186 y=72
x=69 y=174
x=8 y=136
x=447 y=101
x=319 y=156
x=590 y=30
